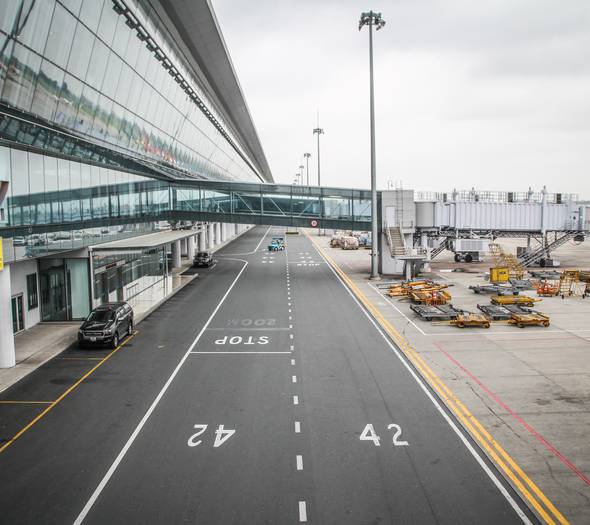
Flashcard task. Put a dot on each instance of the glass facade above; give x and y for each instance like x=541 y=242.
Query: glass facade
x=79 y=65
x=122 y=276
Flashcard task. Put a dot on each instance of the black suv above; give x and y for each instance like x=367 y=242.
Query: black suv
x=203 y=259
x=106 y=324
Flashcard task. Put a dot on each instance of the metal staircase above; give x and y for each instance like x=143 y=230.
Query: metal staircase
x=506 y=260
x=533 y=257
x=395 y=239
x=439 y=249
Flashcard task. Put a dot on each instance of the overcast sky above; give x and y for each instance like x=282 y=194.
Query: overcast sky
x=491 y=94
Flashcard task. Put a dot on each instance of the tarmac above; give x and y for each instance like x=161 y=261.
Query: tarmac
x=529 y=388
x=263 y=392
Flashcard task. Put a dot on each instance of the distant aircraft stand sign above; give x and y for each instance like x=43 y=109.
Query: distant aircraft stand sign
x=314 y=223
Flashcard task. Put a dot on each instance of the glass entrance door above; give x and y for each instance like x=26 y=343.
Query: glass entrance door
x=18 y=316
x=53 y=290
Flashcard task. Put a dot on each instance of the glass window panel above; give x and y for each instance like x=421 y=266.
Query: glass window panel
x=72 y=5
x=121 y=39
x=47 y=92
x=133 y=49
x=21 y=77
x=98 y=64
x=34 y=23
x=80 y=54
x=67 y=107
x=8 y=13
x=111 y=78
x=135 y=99
x=125 y=81
x=90 y=13
x=108 y=23
x=86 y=110
x=61 y=33
x=101 y=119
x=63 y=182
x=37 y=184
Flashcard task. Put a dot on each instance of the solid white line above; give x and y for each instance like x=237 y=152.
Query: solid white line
x=150 y=410
x=249 y=253
x=297 y=427
x=299 y=462
x=211 y=353
x=294 y=379
x=393 y=306
x=435 y=402
x=302 y=512
x=295 y=400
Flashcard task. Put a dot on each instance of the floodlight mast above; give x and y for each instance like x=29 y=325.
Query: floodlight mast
x=318 y=131
x=372 y=19
x=307 y=155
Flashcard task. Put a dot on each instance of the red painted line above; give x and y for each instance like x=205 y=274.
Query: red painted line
x=551 y=448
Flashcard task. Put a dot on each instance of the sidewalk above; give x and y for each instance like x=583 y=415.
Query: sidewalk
x=529 y=388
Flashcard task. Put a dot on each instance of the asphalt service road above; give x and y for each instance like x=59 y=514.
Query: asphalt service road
x=262 y=393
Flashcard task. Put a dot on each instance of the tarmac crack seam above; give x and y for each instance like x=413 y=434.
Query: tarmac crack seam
x=97 y=492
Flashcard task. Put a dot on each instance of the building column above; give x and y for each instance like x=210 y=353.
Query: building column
x=202 y=240
x=217 y=233
x=190 y=247
x=236 y=229
x=7 y=354
x=176 y=254
x=223 y=232
x=210 y=236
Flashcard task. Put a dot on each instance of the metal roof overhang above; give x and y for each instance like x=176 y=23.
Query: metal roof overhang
x=142 y=242
x=194 y=27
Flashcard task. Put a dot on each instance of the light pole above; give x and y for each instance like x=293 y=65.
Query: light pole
x=307 y=155
x=318 y=131
x=372 y=19
x=301 y=166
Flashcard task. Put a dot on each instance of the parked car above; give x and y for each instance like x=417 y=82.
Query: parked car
x=203 y=259
x=349 y=243
x=106 y=324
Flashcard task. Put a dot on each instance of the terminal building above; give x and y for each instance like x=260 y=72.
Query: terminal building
x=106 y=102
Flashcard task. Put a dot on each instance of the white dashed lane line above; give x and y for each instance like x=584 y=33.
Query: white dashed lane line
x=294 y=379
x=297 y=427
x=295 y=400
x=299 y=461
x=302 y=512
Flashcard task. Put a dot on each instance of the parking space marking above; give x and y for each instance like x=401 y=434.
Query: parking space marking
x=65 y=394
x=8 y=402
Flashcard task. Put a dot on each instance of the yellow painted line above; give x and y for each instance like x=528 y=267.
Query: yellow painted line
x=64 y=395
x=80 y=358
x=544 y=507
x=5 y=402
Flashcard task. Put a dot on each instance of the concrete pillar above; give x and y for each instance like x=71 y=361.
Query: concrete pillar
x=223 y=232
x=203 y=241
x=236 y=229
x=217 y=233
x=210 y=236
x=7 y=355
x=176 y=254
x=190 y=247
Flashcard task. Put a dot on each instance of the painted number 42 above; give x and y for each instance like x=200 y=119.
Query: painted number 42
x=221 y=436
x=369 y=434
